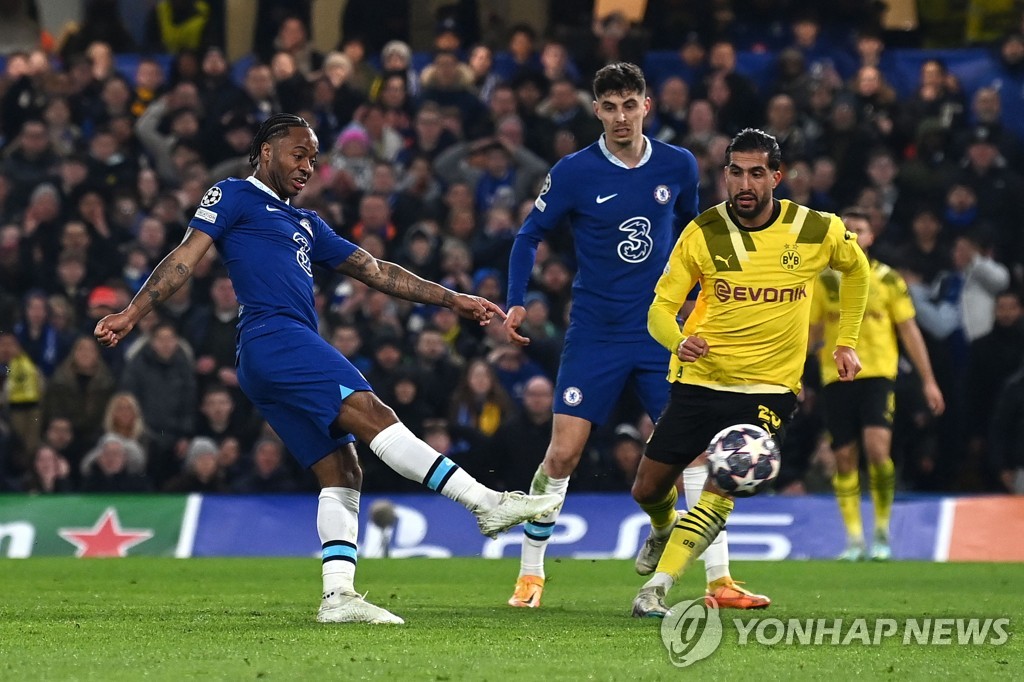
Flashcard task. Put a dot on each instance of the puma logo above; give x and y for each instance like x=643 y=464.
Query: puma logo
x=724 y=259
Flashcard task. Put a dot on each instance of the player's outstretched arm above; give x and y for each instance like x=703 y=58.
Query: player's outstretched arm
x=395 y=280
x=913 y=342
x=169 y=275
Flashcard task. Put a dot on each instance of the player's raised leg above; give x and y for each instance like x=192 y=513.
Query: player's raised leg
x=568 y=438
x=727 y=593
x=337 y=522
x=882 y=479
x=690 y=536
x=846 y=483
x=370 y=420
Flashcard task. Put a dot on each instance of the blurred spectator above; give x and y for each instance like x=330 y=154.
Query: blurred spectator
x=221 y=417
x=568 y=109
x=448 y=83
x=406 y=399
x=293 y=38
x=991 y=356
x=481 y=66
x=183 y=126
x=176 y=25
x=938 y=96
x=513 y=369
x=162 y=378
x=49 y=473
x=44 y=343
x=28 y=161
x=211 y=334
x=796 y=186
x=479 y=403
x=668 y=122
x=201 y=472
x=363 y=74
x=498 y=173
x=1006 y=446
x=267 y=473
x=520 y=54
x=781 y=122
x=110 y=471
x=348 y=341
x=998 y=189
x=134 y=454
x=432 y=359
x=518 y=446
x=926 y=252
x=80 y=389
x=22 y=390
x=59 y=434
x=877 y=107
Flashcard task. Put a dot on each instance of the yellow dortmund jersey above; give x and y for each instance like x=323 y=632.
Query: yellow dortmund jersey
x=889 y=304
x=755 y=299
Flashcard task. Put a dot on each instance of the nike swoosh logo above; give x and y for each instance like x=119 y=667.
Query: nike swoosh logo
x=601 y=199
x=271 y=208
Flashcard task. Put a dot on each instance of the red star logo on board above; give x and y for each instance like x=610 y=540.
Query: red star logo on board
x=106 y=538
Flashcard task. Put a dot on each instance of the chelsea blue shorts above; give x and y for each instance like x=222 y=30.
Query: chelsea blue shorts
x=593 y=374
x=298 y=380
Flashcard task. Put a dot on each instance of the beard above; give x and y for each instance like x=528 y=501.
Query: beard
x=750 y=213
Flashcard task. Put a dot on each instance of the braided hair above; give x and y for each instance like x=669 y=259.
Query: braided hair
x=274 y=127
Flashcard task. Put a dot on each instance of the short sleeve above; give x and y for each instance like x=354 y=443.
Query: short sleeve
x=901 y=306
x=217 y=211
x=555 y=198
x=329 y=249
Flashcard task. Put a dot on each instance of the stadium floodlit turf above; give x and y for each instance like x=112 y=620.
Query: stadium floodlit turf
x=242 y=619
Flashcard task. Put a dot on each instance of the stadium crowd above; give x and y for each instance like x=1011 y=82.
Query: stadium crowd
x=431 y=159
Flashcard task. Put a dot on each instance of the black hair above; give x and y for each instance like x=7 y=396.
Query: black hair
x=274 y=127
x=754 y=140
x=619 y=78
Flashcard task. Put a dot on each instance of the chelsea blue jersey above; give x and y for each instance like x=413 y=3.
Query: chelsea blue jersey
x=624 y=223
x=269 y=247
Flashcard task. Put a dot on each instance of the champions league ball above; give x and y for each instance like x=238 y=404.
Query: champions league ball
x=743 y=459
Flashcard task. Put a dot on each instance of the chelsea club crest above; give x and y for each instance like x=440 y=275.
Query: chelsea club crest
x=662 y=194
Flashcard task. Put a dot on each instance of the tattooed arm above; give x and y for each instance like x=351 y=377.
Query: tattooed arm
x=395 y=280
x=168 y=276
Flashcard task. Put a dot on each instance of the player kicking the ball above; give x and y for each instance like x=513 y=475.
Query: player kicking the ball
x=317 y=402
x=740 y=355
x=627 y=197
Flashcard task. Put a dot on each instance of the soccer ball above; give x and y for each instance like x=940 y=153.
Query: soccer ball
x=743 y=459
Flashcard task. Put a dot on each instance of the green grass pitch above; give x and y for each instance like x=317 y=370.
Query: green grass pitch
x=248 y=619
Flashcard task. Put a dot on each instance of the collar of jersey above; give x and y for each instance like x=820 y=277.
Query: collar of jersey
x=618 y=162
x=256 y=181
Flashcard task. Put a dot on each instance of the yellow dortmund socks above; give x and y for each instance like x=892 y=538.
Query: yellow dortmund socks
x=663 y=513
x=883 y=489
x=847 y=487
x=694 y=532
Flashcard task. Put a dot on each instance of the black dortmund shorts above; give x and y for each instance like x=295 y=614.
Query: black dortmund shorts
x=695 y=414
x=852 y=405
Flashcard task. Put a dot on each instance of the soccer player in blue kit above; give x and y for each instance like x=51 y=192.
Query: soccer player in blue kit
x=627 y=198
x=315 y=400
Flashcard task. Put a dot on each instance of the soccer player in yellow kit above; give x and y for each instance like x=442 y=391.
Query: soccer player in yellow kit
x=740 y=354
x=862 y=410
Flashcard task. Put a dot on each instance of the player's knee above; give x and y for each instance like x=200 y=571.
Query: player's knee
x=560 y=462
x=364 y=415
x=846 y=458
x=644 y=493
